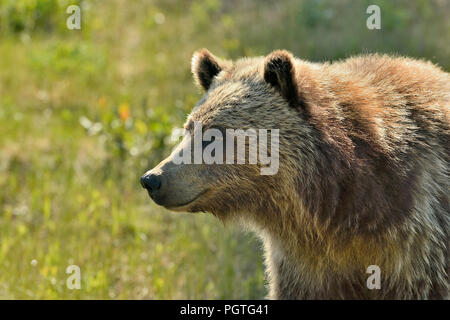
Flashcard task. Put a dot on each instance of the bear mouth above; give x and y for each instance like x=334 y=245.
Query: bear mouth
x=185 y=206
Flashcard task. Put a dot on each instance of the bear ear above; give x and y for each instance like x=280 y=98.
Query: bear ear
x=205 y=66
x=279 y=71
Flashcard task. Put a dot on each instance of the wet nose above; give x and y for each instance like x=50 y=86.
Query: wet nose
x=151 y=182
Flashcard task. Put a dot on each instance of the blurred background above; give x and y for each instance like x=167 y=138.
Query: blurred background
x=83 y=113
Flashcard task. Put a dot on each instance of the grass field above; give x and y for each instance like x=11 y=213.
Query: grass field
x=83 y=113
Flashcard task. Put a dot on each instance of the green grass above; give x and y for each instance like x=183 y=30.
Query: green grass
x=84 y=113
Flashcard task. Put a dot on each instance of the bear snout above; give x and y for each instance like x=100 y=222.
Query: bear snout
x=152 y=183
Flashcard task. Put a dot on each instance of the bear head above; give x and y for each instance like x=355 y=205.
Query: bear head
x=253 y=101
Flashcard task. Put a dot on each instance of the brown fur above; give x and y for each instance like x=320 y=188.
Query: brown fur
x=363 y=177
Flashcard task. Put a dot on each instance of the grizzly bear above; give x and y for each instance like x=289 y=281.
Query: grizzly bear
x=363 y=176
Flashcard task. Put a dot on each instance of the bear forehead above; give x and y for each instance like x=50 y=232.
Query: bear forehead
x=236 y=92
x=221 y=104
x=231 y=103
x=242 y=69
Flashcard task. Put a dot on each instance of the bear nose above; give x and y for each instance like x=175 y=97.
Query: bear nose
x=151 y=182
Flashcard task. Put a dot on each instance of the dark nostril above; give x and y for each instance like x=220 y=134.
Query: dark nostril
x=151 y=182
